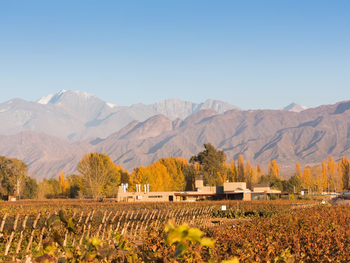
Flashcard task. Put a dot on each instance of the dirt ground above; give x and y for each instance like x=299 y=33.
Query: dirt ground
x=341 y=202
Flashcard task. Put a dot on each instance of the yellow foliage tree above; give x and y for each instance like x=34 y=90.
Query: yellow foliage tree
x=298 y=171
x=64 y=184
x=249 y=175
x=99 y=175
x=163 y=175
x=345 y=169
x=274 y=169
x=240 y=169
x=324 y=176
x=233 y=170
x=258 y=172
x=331 y=173
x=307 y=177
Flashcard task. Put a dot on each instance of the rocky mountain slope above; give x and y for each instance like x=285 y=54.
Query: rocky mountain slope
x=260 y=135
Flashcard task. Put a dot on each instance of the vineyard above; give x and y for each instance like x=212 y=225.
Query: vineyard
x=261 y=231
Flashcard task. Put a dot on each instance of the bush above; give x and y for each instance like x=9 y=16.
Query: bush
x=307 y=197
x=273 y=197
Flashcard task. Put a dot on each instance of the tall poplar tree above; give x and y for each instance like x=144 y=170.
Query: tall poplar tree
x=331 y=173
x=298 y=171
x=345 y=168
x=233 y=171
x=324 y=175
x=240 y=169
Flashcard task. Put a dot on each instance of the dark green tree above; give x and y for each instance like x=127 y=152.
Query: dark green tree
x=30 y=191
x=275 y=183
x=212 y=164
x=294 y=181
x=190 y=173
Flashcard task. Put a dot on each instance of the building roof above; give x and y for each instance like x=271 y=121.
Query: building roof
x=195 y=194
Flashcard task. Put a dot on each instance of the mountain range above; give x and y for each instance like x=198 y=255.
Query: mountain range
x=308 y=136
x=77 y=115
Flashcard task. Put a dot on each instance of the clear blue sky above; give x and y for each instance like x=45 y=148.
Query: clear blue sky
x=254 y=54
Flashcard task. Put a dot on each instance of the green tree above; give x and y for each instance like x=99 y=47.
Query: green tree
x=294 y=181
x=275 y=183
x=11 y=171
x=30 y=191
x=212 y=162
x=74 y=181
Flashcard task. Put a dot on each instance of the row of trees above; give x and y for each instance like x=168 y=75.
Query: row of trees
x=99 y=177
x=329 y=176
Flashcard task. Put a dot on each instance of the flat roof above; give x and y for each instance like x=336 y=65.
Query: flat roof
x=196 y=194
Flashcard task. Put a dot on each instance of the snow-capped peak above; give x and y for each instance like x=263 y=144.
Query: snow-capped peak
x=295 y=107
x=82 y=93
x=111 y=105
x=45 y=100
x=54 y=98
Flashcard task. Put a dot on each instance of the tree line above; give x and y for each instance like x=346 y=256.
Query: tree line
x=99 y=177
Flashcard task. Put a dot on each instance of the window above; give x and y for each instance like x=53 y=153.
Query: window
x=155 y=196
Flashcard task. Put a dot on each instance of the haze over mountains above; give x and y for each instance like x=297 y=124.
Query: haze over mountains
x=77 y=115
x=138 y=135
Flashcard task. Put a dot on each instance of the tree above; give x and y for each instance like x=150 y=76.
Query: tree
x=298 y=171
x=163 y=175
x=124 y=175
x=345 y=169
x=99 y=175
x=64 y=185
x=331 y=173
x=30 y=191
x=324 y=176
x=240 y=169
x=249 y=175
x=11 y=171
x=258 y=172
x=275 y=183
x=307 y=177
x=48 y=188
x=190 y=177
x=74 y=181
x=233 y=171
x=213 y=164
x=174 y=169
x=316 y=179
x=274 y=169
x=293 y=184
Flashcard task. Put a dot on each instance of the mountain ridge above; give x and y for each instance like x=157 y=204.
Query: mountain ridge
x=86 y=116
x=259 y=135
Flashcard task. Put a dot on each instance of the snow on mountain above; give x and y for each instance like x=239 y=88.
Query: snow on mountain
x=295 y=107
x=111 y=105
x=176 y=108
x=45 y=100
x=77 y=115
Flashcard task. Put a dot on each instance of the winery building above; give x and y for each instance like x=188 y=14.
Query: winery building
x=229 y=191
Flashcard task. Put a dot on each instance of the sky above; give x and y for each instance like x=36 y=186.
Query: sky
x=253 y=54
